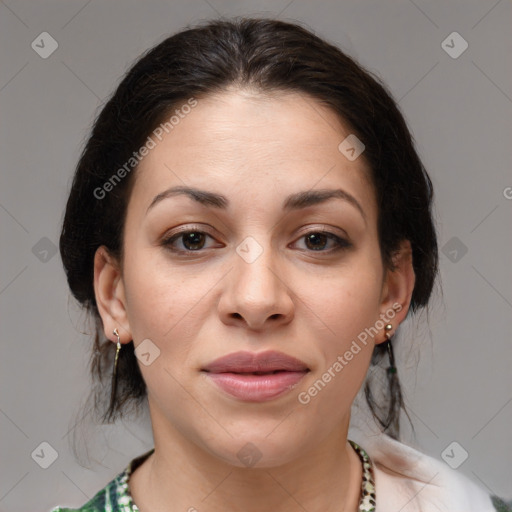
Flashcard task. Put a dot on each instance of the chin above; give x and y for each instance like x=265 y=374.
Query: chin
x=257 y=449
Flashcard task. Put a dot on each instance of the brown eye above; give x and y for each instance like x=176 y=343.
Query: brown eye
x=190 y=241
x=193 y=240
x=318 y=240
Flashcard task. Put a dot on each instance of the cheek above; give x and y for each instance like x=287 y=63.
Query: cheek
x=348 y=307
x=347 y=313
x=164 y=308
x=350 y=300
x=159 y=300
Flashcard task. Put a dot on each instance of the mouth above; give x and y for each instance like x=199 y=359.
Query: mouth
x=251 y=373
x=256 y=377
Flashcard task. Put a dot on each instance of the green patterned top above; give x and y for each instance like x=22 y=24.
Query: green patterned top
x=116 y=497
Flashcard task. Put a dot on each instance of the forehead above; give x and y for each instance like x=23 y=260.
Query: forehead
x=243 y=140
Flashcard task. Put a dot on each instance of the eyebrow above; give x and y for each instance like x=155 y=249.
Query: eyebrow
x=296 y=201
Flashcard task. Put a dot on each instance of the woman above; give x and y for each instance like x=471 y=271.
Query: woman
x=249 y=224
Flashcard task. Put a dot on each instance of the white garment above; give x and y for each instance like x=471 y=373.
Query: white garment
x=407 y=480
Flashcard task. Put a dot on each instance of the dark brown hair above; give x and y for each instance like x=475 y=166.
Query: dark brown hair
x=265 y=55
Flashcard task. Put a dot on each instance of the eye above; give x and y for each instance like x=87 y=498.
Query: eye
x=191 y=241
x=317 y=240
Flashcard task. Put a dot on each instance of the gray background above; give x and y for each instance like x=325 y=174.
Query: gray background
x=455 y=367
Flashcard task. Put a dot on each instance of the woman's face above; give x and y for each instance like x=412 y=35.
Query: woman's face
x=257 y=268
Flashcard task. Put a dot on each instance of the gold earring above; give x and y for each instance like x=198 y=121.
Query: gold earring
x=114 y=373
x=389 y=346
x=118 y=349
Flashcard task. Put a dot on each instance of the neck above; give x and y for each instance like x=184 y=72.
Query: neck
x=179 y=472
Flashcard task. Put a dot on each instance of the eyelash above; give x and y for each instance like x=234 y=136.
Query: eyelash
x=341 y=243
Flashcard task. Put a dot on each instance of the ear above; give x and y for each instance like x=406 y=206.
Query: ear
x=110 y=296
x=397 y=288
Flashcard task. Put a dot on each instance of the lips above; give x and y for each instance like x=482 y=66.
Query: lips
x=257 y=363
x=256 y=377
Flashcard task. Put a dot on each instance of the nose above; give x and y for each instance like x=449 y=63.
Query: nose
x=257 y=293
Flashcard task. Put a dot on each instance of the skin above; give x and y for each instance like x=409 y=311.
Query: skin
x=255 y=149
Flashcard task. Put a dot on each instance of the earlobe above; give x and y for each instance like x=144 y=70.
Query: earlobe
x=110 y=296
x=397 y=288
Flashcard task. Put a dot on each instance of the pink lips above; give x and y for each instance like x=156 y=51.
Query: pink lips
x=256 y=377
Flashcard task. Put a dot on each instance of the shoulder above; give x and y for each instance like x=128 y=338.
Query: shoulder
x=110 y=498
x=96 y=504
x=115 y=496
x=411 y=481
